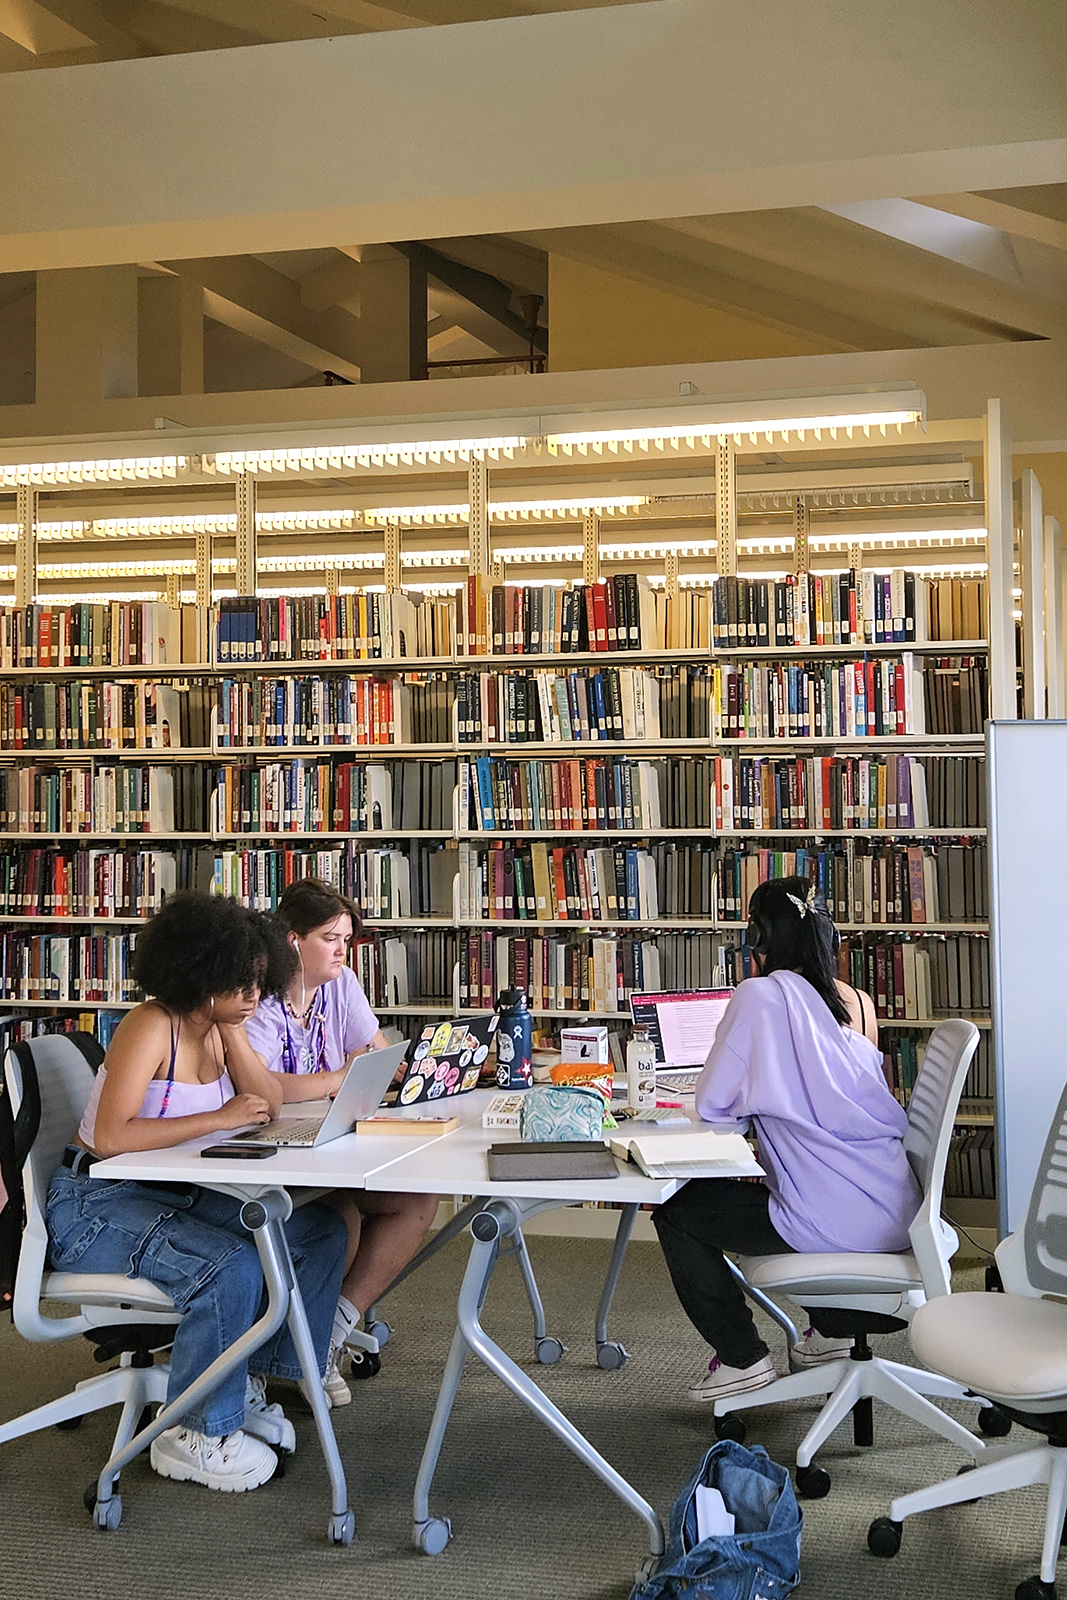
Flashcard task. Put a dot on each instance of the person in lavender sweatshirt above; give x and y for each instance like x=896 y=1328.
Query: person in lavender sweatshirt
x=796 y=1052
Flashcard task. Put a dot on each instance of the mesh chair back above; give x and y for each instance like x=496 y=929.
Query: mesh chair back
x=64 y=1083
x=1045 y=1228
x=931 y=1113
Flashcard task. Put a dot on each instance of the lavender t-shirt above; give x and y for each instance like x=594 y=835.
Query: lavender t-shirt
x=830 y=1132
x=342 y=1021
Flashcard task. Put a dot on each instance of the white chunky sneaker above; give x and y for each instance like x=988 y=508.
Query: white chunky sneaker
x=337 y=1391
x=717 y=1380
x=264 y=1420
x=812 y=1349
x=232 y=1463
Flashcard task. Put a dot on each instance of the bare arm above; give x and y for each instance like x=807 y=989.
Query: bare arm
x=247 y=1067
x=141 y=1045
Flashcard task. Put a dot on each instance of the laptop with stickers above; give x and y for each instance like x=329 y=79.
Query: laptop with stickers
x=447 y=1059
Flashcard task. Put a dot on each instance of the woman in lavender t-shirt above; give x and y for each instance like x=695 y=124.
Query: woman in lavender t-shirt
x=796 y=1051
x=308 y=1037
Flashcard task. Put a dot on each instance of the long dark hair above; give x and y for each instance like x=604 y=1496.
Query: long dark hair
x=791 y=930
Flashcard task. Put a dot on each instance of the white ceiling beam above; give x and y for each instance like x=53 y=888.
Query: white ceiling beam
x=583 y=117
x=1010 y=216
x=88 y=20
x=265 y=304
x=335 y=283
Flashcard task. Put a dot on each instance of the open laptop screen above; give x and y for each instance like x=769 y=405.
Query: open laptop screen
x=681 y=1026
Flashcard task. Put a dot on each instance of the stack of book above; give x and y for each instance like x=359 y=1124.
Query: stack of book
x=92 y=714
x=368 y=625
x=117 y=633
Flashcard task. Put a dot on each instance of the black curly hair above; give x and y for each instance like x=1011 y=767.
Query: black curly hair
x=199 y=945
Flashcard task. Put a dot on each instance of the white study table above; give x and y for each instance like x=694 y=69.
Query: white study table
x=453 y=1163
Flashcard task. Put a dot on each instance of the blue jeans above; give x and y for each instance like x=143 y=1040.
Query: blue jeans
x=191 y=1244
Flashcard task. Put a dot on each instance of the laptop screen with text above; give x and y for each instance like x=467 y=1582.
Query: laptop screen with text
x=681 y=1026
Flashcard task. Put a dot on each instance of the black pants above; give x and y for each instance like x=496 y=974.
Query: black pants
x=695 y=1226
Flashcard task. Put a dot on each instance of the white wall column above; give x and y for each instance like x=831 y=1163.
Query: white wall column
x=86 y=334
x=1000 y=522
x=1054 y=653
x=392 y=316
x=170 y=336
x=1032 y=558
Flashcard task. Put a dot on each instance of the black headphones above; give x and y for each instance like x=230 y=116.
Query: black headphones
x=758 y=932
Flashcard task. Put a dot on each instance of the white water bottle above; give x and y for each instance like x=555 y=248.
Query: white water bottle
x=640 y=1071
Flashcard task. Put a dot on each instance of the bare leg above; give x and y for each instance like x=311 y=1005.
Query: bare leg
x=393 y=1227
x=344 y=1201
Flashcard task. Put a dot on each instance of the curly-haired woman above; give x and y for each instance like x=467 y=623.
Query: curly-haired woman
x=179 y=1067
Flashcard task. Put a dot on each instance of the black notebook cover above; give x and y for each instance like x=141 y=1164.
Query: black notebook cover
x=549 y=1160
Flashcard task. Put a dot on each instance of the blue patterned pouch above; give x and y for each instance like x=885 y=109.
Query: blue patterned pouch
x=549 y=1112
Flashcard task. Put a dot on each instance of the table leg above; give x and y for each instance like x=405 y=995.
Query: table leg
x=264 y=1218
x=497 y=1219
x=609 y=1353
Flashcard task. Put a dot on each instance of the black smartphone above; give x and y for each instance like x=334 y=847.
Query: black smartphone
x=239 y=1152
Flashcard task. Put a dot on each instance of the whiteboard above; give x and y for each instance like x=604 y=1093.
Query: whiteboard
x=1027 y=777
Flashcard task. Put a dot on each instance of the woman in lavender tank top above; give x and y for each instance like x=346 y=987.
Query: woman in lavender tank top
x=180 y=1067
x=796 y=1052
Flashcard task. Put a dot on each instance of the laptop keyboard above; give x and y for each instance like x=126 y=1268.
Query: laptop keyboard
x=680 y=1082
x=286 y=1131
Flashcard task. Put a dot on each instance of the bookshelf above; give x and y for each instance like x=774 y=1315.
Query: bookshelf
x=344 y=732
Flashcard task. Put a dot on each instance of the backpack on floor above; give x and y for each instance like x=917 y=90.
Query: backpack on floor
x=17 y=1133
x=760 y=1560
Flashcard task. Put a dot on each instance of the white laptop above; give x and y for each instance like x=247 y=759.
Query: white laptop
x=682 y=1028
x=362 y=1090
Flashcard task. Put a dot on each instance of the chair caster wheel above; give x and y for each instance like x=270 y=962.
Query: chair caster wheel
x=730 y=1427
x=883 y=1537
x=432 y=1536
x=380 y=1331
x=610 y=1356
x=342 y=1528
x=548 y=1351
x=646 y=1569
x=812 y=1482
x=107 y=1514
x=1035 y=1589
x=968 y=1466
x=993 y=1422
x=68 y=1424
x=89 y=1497
x=365 y=1364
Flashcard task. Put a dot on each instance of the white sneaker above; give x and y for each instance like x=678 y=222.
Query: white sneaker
x=337 y=1391
x=264 y=1420
x=717 y=1380
x=812 y=1349
x=231 y=1463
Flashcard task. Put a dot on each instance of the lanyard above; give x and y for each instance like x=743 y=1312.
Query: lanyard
x=316 y=1029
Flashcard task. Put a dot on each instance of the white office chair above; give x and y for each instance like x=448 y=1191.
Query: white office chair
x=125 y=1317
x=855 y=1295
x=1012 y=1348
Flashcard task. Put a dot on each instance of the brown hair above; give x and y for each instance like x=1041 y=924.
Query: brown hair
x=309 y=902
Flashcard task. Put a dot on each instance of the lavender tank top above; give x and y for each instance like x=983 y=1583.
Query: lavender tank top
x=164 y=1097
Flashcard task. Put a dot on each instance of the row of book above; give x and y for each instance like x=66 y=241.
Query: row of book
x=956 y=694
x=956 y=967
x=557 y=707
x=414 y=968
x=342 y=710
x=717 y=793
x=385 y=882
x=903 y=1052
x=971 y=1173
x=105 y=798
x=96 y=883
x=117 y=633
x=367 y=625
x=587 y=972
x=91 y=714
x=623 y=612
x=66 y=967
x=333 y=797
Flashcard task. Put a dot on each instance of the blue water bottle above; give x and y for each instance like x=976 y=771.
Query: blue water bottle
x=514 y=1040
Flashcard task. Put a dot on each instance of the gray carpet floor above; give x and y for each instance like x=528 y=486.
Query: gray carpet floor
x=530 y=1523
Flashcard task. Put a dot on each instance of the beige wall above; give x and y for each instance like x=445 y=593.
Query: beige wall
x=600 y=319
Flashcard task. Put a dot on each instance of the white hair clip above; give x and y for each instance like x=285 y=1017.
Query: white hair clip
x=805 y=905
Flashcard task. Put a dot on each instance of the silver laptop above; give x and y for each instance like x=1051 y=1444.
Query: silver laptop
x=682 y=1028
x=362 y=1089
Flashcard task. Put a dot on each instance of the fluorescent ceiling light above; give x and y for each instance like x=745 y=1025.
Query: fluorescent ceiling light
x=44 y=474
x=744 y=419
x=319 y=458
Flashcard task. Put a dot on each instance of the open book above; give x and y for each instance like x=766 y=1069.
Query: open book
x=698 y=1154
